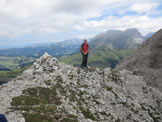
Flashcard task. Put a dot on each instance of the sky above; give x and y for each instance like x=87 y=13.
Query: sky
x=33 y=21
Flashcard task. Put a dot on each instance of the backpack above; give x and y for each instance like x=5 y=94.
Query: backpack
x=3 y=118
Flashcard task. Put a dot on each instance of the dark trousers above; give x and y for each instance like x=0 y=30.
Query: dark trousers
x=85 y=58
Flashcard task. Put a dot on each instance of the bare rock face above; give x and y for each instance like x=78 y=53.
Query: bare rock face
x=55 y=92
x=147 y=61
x=117 y=39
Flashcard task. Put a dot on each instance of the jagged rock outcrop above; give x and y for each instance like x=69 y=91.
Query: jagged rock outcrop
x=52 y=91
x=147 y=61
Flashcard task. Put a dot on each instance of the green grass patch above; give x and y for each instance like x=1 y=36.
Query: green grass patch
x=47 y=82
x=87 y=113
x=40 y=103
x=8 y=75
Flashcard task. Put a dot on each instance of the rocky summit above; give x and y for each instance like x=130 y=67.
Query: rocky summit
x=51 y=91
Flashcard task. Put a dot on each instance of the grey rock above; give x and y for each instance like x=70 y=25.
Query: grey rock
x=147 y=61
x=108 y=96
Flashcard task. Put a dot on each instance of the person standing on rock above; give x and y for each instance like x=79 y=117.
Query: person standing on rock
x=84 y=49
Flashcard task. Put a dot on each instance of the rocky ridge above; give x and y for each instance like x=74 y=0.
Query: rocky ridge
x=56 y=92
x=147 y=61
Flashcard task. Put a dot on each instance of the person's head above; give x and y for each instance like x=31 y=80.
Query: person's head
x=85 y=41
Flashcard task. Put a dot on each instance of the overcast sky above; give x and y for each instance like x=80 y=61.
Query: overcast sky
x=55 y=20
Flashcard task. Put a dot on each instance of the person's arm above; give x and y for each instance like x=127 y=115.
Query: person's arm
x=81 y=50
x=88 y=49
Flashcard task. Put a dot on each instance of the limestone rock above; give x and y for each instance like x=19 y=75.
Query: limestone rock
x=84 y=95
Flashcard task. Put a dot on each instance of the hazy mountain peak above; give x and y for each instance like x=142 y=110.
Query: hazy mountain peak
x=131 y=30
x=130 y=38
x=134 y=32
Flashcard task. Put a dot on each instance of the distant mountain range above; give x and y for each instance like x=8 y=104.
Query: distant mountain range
x=55 y=49
x=116 y=39
x=108 y=48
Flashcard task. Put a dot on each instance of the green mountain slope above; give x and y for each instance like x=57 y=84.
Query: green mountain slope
x=102 y=57
x=5 y=76
x=10 y=63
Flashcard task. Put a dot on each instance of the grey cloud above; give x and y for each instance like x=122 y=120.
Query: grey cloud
x=18 y=17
